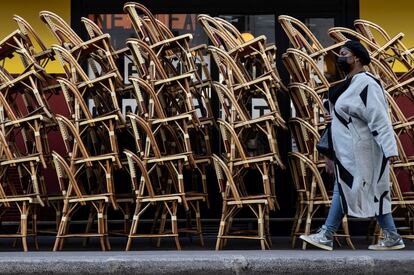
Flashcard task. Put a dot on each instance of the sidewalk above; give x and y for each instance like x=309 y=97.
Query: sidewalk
x=209 y=262
x=204 y=261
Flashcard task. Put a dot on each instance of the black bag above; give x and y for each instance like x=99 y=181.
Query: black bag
x=325 y=146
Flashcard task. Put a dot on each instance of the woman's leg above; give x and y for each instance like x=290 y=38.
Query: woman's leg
x=386 y=222
x=335 y=215
x=391 y=239
x=324 y=237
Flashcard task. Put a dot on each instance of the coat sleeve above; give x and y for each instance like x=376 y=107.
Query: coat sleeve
x=373 y=109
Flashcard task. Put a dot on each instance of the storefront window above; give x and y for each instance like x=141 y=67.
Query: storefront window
x=319 y=27
x=254 y=24
x=120 y=29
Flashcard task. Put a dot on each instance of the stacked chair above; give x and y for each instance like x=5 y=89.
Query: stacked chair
x=172 y=135
x=308 y=89
x=85 y=171
x=248 y=71
x=26 y=120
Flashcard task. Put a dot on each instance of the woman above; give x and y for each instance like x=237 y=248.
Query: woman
x=364 y=144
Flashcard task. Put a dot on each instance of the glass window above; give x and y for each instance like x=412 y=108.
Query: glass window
x=254 y=24
x=120 y=29
x=319 y=27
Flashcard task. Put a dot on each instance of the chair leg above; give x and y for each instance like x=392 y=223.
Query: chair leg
x=58 y=214
x=308 y=222
x=134 y=225
x=23 y=222
x=303 y=210
x=227 y=229
x=162 y=223
x=295 y=222
x=19 y=230
x=377 y=233
x=346 y=231
x=91 y=218
x=59 y=232
x=156 y=218
x=65 y=231
x=126 y=217
x=267 y=227
x=221 y=227
x=101 y=227
x=174 y=225
x=66 y=227
x=260 y=227
x=198 y=222
x=34 y=226
x=188 y=221
x=105 y=221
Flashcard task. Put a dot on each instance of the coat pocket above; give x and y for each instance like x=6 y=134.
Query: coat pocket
x=354 y=133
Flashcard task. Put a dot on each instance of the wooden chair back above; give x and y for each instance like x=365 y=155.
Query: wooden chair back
x=148 y=65
x=74 y=100
x=92 y=28
x=215 y=31
x=148 y=102
x=303 y=69
x=376 y=34
x=72 y=139
x=35 y=44
x=306 y=138
x=232 y=144
x=306 y=178
x=308 y=104
x=299 y=35
x=231 y=72
x=66 y=177
x=74 y=71
x=147 y=30
x=233 y=32
x=143 y=133
x=60 y=29
x=145 y=186
x=228 y=188
x=233 y=112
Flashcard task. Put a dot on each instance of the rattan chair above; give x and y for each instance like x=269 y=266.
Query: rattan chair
x=312 y=195
x=234 y=200
x=385 y=44
x=77 y=195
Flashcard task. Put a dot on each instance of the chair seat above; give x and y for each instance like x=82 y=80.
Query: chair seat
x=17 y=160
x=97 y=197
x=171 y=43
x=253 y=199
x=250 y=46
x=164 y=197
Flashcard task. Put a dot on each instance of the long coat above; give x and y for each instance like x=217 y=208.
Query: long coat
x=363 y=139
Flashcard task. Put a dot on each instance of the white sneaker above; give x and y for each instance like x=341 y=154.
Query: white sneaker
x=322 y=239
x=390 y=241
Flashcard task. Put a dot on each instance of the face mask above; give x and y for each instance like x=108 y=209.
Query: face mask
x=343 y=64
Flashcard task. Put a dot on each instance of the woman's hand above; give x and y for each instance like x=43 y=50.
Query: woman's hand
x=329 y=168
x=393 y=159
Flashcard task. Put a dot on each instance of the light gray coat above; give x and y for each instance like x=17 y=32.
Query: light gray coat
x=363 y=139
